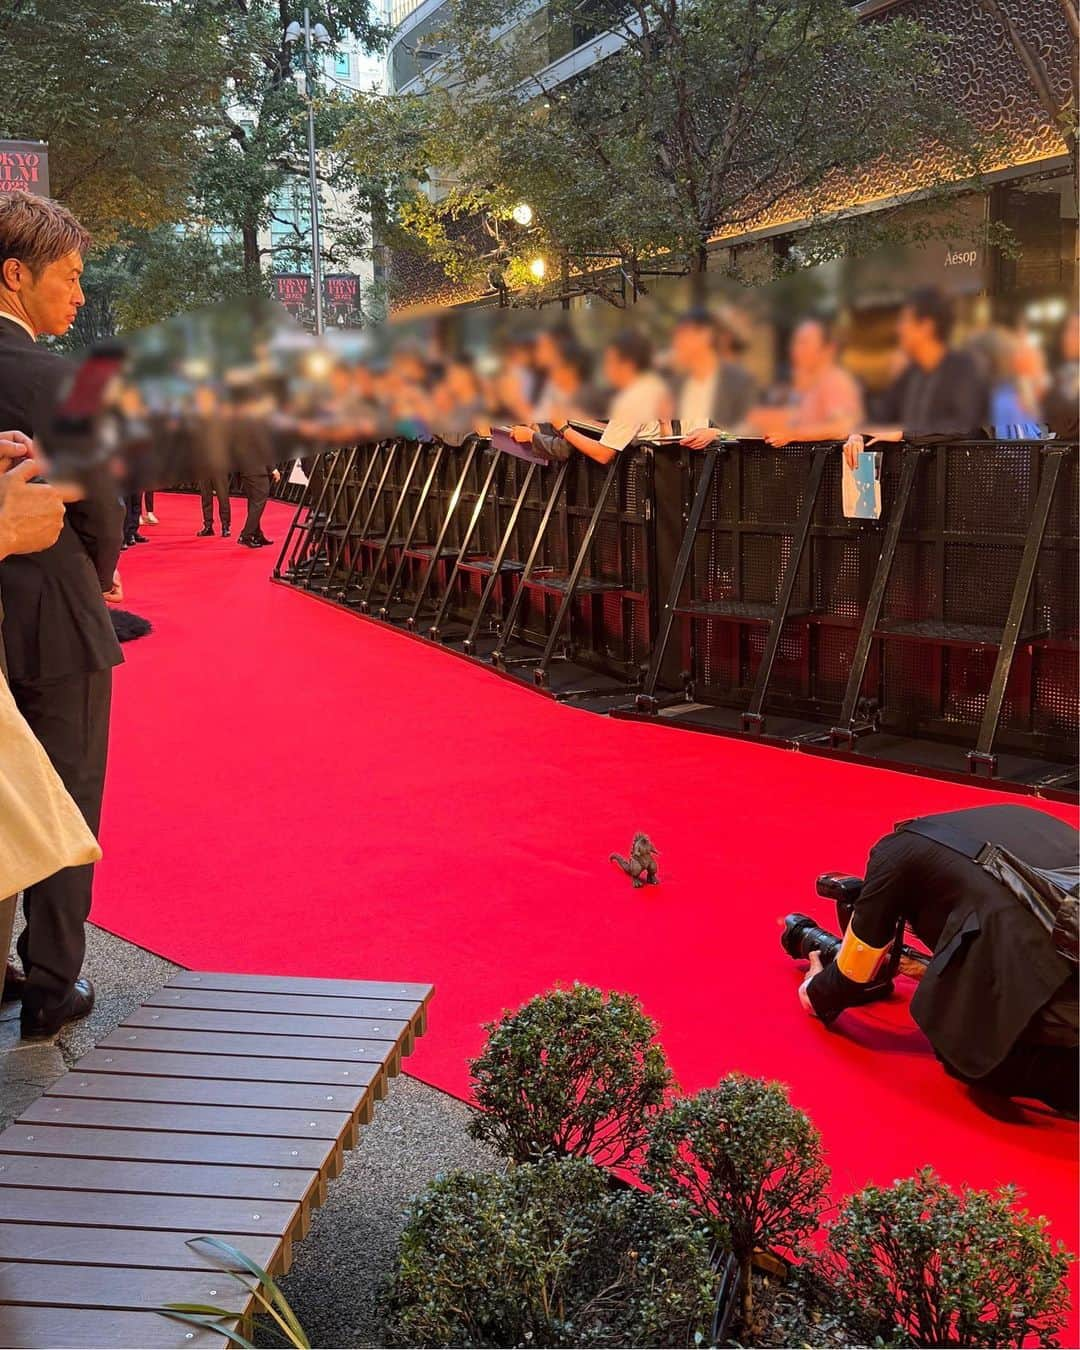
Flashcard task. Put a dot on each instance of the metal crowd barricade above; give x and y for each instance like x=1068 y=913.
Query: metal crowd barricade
x=726 y=591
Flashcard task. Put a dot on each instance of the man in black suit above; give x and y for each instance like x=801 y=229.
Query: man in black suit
x=998 y=1001
x=940 y=394
x=58 y=638
x=252 y=451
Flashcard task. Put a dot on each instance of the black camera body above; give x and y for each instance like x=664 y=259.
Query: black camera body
x=802 y=935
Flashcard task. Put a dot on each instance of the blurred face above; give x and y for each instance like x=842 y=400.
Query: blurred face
x=461 y=383
x=914 y=334
x=1027 y=359
x=810 y=351
x=49 y=301
x=547 y=351
x=691 y=345
x=617 y=371
x=565 y=377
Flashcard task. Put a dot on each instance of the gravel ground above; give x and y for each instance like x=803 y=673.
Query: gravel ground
x=418 y=1133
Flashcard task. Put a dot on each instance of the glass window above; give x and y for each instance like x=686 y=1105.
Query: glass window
x=341 y=64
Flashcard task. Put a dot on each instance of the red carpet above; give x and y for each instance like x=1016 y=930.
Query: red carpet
x=294 y=790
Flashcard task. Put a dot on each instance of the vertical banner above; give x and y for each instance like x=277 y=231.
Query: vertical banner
x=341 y=298
x=24 y=167
x=295 y=292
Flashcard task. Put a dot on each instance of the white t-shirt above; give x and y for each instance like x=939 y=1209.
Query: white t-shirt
x=635 y=411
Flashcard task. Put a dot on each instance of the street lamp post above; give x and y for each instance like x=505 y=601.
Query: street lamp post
x=313 y=36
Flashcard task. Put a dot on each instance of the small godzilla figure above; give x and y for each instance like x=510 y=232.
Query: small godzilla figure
x=640 y=867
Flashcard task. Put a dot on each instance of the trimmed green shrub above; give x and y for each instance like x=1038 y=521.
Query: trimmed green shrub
x=917 y=1263
x=746 y=1161
x=549 y=1254
x=570 y=1073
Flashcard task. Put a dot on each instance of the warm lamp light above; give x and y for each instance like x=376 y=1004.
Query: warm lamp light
x=523 y=214
x=538 y=268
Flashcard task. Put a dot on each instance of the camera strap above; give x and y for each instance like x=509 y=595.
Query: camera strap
x=1051 y=894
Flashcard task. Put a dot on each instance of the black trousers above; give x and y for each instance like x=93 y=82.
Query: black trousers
x=132 y=509
x=256 y=488
x=70 y=717
x=208 y=489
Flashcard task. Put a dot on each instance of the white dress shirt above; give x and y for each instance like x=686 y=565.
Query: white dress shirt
x=14 y=318
x=697 y=398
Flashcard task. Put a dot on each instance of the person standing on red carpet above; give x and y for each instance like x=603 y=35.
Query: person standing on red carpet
x=58 y=638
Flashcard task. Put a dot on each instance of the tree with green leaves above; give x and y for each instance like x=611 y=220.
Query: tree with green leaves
x=257 y=145
x=748 y=1162
x=122 y=90
x=918 y=1263
x=148 y=276
x=572 y=1072
x=702 y=118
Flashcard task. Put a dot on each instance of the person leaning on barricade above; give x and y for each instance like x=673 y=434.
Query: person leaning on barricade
x=715 y=392
x=640 y=404
x=569 y=386
x=991 y=892
x=825 y=400
x=940 y=395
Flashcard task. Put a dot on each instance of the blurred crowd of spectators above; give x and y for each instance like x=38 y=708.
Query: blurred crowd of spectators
x=559 y=389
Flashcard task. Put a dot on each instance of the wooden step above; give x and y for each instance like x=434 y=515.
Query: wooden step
x=220 y=1107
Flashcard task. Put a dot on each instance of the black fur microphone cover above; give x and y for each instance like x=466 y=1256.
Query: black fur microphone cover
x=129 y=626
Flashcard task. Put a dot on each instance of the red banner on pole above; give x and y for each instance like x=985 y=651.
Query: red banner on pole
x=24 y=167
x=341 y=294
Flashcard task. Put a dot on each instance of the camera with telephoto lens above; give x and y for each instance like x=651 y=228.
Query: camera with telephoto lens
x=802 y=934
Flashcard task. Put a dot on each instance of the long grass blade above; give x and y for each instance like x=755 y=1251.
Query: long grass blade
x=193 y=1314
x=291 y=1325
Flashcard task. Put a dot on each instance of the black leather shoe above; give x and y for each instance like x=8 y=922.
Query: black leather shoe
x=247 y=543
x=14 y=984
x=225 y=531
x=139 y=539
x=205 y=532
x=263 y=542
x=46 y=1022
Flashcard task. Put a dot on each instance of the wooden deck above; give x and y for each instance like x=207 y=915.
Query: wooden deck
x=222 y=1106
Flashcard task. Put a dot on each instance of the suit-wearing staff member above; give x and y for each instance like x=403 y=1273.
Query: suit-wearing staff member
x=58 y=638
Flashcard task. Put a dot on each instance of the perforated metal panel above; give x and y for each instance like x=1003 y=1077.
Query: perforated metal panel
x=933 y=649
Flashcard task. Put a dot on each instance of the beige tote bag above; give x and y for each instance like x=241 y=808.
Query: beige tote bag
x=41 y=828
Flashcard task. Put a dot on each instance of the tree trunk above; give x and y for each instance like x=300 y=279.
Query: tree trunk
x=252 y=270
x=698 y=291
x=746 y=1292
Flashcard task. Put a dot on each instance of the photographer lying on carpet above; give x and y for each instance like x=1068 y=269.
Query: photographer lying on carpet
x=998 y=999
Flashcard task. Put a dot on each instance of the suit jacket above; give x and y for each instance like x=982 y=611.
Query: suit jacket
x=734 y=395
x=995 y=978
x=995 y=973
x=55 y=622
